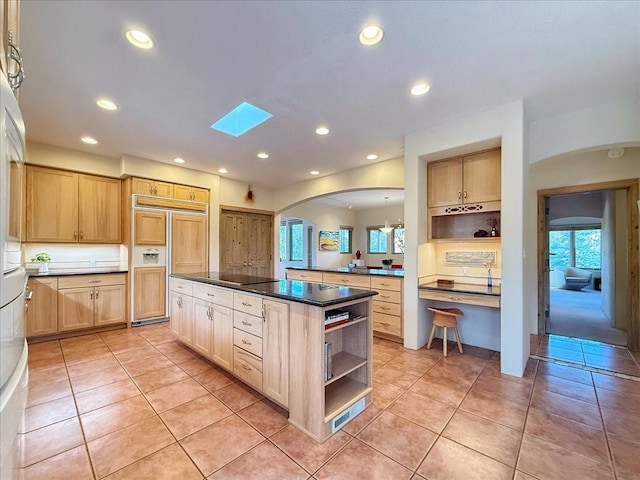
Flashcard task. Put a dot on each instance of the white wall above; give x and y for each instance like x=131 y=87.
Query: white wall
x=375 y=217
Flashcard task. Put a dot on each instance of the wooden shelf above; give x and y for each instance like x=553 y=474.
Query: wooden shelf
x=466 y=239
x=344 y=363
x=341 y=394
x=346 y=324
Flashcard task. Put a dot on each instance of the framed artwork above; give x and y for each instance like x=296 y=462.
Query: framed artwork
x=329 y=241
x=470 y=258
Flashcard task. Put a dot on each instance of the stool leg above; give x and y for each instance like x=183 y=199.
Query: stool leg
x=433 y=332
x=444 y=341
x=455 y=329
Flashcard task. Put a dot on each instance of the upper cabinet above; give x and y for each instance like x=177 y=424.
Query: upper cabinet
x=70 y=207
x=470 y=179
x=184 y=192
x=156 y=188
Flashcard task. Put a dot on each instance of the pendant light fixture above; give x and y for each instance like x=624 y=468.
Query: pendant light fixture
x=387 y=228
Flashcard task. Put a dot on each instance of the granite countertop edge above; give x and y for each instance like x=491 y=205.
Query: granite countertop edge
x=393 y=272
x=80 y=271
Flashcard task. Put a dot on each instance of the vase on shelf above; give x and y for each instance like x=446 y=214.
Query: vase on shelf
x=489 y=279
x=44 y=267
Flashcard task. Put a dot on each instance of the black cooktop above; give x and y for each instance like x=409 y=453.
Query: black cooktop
x=232 y=278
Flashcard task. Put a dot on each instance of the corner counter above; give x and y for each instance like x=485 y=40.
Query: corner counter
x=468 y=293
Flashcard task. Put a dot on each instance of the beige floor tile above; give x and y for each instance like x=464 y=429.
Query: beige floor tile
x=561 y=371
x=170 y=346
x=46 y=392
x=181 y=356
x=413 y=363
x=618 y=401
x=546 y=461
x=98 y=379
x=399 y=439
x=216 y=445
x=385 y=393
x=46 y=363
x=441 y=389
x=215 y=379
x=491 y=407
x=422 y=410
x=573 y=436
x=51 y=440
x=492 y=439
x=168 y=463
x=310 y=454
x=396 y=375
x=513 y=391
x=135 y=368
x=155 y=379
x=83 y=354
x=264 y=462
x=133 y=355
x=45 y=414
x=116 y=416
x=567 y=407
x=620 y=385
x=130 y=444
x=265 y=416
x=358 y=461
x=492 y=369
x=196 y=366
x=621 y=365
x=523 y=476
x=91 y=366
x=237 y=396
x=455 y=372
x=568 y=388
x=102 y=396
x=175 y=394
x=47 y=375
x=71 y=464
x=363 y=419
x=448 y=460
x=625 y=475
x=621 y=423
x=625 y=454
x=194 y=415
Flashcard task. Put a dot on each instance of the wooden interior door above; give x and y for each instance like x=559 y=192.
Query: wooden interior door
x=259 y=245
x=233 y=249
x=188 y=243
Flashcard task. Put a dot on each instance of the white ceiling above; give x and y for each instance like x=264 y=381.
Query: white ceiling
x=301 y=61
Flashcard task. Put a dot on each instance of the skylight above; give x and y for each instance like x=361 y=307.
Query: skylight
x=241 y=119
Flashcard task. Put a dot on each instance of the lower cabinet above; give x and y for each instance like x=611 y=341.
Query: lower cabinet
x=42 y=310
x=275 y=352
x=182 y=317
x=149 y=292
x=222 y=333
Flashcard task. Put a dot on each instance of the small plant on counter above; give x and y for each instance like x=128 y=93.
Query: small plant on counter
x=41 y=257
x=387 y=262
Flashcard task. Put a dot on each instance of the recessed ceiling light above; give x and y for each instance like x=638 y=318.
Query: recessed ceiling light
x=373 y=156
x=89 y=140
x=263 y=155
x=370 y=35
x=139 y=39
x=106 y=104
x=314 y=172
x=322 y=130
x=420 y=89
x=223 y=170
x=179 y=160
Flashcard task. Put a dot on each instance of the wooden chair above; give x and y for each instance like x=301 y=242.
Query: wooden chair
x=445 y=318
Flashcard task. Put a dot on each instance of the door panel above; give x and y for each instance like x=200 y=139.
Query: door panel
x=99 y=209
x=188 y=243
x=151 y=228
x=109 y=305
x=233 y=249
x=259 y=245
x=75 y=308
x=149 y=292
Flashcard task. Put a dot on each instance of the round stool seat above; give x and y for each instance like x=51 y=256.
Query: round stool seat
x=445 y=318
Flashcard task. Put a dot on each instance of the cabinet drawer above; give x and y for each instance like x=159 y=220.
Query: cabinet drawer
x=468 y=298
x=182 y=286
x=387 y=308
x=248 y=304
x=248 y=323
x=385 y=283
x=75 y=281
x=305 y=275
x=247 y=367
x=216 y=295
x=349 y=280
x=388 y=296
x=248 y=342
x=387 y=324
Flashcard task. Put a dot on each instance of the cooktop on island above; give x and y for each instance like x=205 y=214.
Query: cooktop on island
x=232 y=278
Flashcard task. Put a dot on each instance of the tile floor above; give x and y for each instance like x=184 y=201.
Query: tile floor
x=134 y=404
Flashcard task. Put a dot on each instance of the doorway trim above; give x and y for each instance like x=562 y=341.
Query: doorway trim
x=631 y=187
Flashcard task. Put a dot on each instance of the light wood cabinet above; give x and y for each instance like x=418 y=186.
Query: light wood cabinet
x=275 y=347
x=470 y=179
x=189 y=244
x=182 y=310
x=42 y=310
x=69 y=207
x=149 y=292
x=202 y=327
x=156 y=188
x=222 y=342
x=86 y=301
x=150 y=228
x=195 y=194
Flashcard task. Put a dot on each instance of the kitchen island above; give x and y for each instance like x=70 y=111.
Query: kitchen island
x=278 y=337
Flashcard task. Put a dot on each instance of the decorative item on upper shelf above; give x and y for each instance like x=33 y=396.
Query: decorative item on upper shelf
x=358 y=254
x=43 y=259
x=488 y=266
x=386 y=263
x=480 y=233
x=250 y=195
x=493 y=223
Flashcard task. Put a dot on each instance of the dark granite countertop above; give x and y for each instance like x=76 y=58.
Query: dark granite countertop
x=462 y=288
x=291 y=290
x=394 y=272
x=75 y=271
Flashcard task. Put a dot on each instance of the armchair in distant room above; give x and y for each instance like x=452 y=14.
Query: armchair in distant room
x=570 y=278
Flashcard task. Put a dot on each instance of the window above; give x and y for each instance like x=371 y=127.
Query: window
x=398 y=239
x=291 y=241
x=346 y=236
x=575 y=247
x=376 y=240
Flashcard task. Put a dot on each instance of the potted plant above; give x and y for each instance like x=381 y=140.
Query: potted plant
x=386 y=263
x=43 y=259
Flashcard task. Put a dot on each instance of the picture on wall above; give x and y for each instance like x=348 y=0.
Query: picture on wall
x=329 y=241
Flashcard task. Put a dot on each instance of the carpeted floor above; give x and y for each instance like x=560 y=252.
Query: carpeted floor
x=579 y=314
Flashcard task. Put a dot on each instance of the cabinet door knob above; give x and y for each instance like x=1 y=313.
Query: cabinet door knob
x=459 y=194
x=75 y=235
x=97 y=293
x=81 y=235
x=465 y=194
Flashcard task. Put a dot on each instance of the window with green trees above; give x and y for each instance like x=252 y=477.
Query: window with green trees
x=575 y=247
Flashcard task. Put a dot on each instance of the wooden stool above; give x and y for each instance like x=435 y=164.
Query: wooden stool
x=445 y=317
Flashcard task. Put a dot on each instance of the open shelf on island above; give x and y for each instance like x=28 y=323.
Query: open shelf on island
x=352 y=321
x=344 y=363
x=341 y=394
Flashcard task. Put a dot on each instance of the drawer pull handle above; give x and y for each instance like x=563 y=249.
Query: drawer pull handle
x=384 y=308
x=210 y=294
x=95 y=281
x=454 y=298
x=244 y=367
x=179 y=286
x=245 y=342
x=247 y=324
x=246 y=304
x=385 y=284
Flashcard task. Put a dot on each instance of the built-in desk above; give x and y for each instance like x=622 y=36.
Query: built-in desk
x=471 y=294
